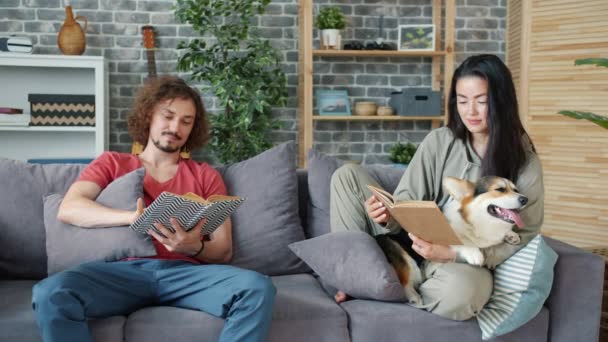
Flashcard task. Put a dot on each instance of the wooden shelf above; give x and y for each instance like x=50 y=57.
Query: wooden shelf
x=24 y=74
x=375 y=118
x=442 y=60
x=376 y=53
x=47 y=129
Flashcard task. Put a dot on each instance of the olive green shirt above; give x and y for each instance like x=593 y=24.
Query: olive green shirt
x=441 y=155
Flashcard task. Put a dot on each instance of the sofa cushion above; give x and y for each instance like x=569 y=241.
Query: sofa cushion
x=320 y=169
x=302 y=312
x=21 y=214
x=18 y=323
x=380 y=321
x=268 y=220
x=353 y=262
x=521 y=285
x=68 y=245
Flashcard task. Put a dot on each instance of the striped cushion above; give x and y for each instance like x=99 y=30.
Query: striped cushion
x=521 y=285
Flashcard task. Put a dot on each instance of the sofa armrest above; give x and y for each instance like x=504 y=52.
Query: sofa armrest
x=575 y=302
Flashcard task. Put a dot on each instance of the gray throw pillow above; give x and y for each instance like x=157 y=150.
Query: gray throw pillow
x=68 y=245
x=268 y=220
x=320 y=169
x=352 y=262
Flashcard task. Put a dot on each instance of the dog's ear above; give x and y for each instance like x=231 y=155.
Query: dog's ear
x=458 y=188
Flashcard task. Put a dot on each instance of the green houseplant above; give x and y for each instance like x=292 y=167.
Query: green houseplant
x=402 y=153
x=241 y=69
x=330 y=21
x=599 y=120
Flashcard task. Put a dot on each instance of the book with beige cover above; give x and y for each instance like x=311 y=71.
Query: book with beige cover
x=421 y=218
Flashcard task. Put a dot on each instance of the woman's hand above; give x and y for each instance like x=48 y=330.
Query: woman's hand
x=432 y=252
x=376 y=210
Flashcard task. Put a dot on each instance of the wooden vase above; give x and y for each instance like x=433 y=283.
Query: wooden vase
x=71 y=39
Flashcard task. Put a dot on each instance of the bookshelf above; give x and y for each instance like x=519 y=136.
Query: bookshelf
x=442 y=69
x=24 y=74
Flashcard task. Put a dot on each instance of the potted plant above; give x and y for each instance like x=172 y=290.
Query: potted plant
x=599 y=120
x=330 y=21
x=402 y=153
x=239 y=68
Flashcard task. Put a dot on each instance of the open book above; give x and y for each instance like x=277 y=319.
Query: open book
x=188 y=209
x=421 y=218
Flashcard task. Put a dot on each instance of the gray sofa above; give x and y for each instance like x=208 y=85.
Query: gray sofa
x=303 y=310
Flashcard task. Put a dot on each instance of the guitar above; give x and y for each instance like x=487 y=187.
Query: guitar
x=148 y=37
x=149 y=44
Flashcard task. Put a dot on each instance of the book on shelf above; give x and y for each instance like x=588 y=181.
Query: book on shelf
x=10 y=110
x=421 y=218
x=14 y=119
x=188 y=210
x=14 y=44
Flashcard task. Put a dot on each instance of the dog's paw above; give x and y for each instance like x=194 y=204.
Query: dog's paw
x=416 y=300
x=472 y=255
x=413 y=297
x=512 y=238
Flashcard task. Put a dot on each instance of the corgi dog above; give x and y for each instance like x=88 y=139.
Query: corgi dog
x=482 y=214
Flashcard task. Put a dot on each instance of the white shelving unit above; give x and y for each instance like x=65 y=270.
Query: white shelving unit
x=24 y=74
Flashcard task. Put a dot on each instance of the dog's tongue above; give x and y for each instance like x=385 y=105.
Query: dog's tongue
x=514 y=216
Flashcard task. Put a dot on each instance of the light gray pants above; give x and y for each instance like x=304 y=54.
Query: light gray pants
x=451 y=290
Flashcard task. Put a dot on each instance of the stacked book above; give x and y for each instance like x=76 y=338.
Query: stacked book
x=13 y=117
x=14 y=44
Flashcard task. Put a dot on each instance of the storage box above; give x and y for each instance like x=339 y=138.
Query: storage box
x=416 y=102
x=62 y=110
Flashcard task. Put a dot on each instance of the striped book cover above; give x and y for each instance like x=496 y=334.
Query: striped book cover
x=188 y=209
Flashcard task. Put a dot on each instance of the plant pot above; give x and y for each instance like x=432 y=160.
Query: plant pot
x=330 y=39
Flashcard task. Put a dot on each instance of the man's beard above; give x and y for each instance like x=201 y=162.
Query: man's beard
x=167 y=148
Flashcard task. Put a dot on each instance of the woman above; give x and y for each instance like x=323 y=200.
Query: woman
x=484 y=136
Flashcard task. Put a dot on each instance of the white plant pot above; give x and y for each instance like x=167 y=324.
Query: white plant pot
x=330 y=39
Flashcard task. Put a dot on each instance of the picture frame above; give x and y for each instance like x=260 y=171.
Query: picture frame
x=333 y=102
x=417 y=37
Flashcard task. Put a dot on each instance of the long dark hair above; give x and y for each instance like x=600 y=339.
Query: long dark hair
x=508 y=142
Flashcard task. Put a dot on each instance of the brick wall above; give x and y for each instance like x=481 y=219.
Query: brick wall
x=114 y=32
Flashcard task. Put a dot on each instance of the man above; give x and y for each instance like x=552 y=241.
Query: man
x=186 y=272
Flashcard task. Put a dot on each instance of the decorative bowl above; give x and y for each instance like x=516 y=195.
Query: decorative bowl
x=365 y=108
x=385 y=111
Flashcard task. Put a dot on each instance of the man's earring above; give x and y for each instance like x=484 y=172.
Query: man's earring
x=136 y=148
x=185 y=154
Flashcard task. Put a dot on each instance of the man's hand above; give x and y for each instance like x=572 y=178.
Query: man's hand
x=432 y=252
x=187 y=243
x=376 y=210
x=139 y=211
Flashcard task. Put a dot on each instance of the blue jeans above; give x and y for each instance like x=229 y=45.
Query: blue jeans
x=65 y=301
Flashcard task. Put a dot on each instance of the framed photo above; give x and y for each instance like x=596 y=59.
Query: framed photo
x=416 y=37
x=333 y=102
